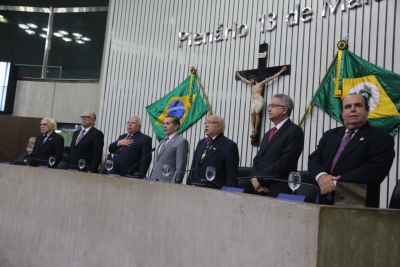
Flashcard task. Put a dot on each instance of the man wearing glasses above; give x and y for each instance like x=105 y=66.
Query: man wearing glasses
x=280 y=150
x=217 y=151
x=87 y=144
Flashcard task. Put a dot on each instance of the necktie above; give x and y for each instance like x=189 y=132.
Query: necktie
x=343 y=144
x=271 y=134
x=127 y=137
x=80 y=136
x=163 y=144
x=44 y=138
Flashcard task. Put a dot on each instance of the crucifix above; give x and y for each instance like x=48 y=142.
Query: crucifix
x=258 y=78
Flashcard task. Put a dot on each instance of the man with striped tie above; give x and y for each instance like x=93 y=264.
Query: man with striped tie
x=355 y=153
x=87 y=144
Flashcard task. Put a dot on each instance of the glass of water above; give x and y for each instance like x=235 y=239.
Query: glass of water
x=81 y=164
x=210 y=173
x=52 y=160
x=166 y=170
x=109 y=165
x=294 y=177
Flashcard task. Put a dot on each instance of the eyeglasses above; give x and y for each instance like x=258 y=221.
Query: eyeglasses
x=85 y=117
x=275 y=106
x=211 y=122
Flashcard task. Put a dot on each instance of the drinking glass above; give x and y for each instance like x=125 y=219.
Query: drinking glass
x=109 y=165
x=294 y=177
x=166 y=170
x=52 y=160
x=210 y=173
x=81 y=164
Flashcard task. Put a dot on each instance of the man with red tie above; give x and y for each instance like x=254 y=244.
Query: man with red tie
x=132 y=151
x=355 y=153
x=279 y=151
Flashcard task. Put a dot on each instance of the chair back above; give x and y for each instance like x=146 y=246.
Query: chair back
x=307 y=190
x=395 y=199
x=243 y=177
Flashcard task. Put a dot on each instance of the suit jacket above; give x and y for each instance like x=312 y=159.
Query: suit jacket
x=366 y=159
x=175 y=154
x=279 y=156
x=126 y=161
x=24 y=157
x=53 y=146
x=223 y=155
x=89 y=148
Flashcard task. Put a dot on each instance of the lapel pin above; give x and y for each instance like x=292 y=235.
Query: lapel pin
x=214 y=148
x=362 y=139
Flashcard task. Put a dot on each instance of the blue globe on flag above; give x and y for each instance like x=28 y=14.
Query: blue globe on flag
x=176 y=108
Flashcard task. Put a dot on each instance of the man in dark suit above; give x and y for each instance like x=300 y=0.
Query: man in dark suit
x=172 y=151
x=24 y=157
x=87 y=144
x=132 y=151
x=48 y=143
x=280 y=150
x=355 y=153
x=215 y=151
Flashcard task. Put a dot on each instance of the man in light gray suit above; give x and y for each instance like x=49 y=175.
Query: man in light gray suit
x=172 y=151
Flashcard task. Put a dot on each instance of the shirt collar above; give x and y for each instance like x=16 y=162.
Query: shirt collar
x=279 y=125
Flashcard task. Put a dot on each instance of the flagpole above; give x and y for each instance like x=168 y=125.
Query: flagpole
x=194 y=71
x=310 y=106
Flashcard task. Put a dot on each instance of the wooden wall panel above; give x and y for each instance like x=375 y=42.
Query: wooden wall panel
x=14 y=135
x=143 y=61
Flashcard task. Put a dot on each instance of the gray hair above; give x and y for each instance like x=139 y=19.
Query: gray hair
x=53 y=123
x=138 y=119
x=285 y=101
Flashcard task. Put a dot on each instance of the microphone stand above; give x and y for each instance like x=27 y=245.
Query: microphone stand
x=139 y=175
x=268 y=178
x=6 y=153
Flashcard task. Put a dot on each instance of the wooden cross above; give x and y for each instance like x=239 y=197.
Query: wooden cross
x=260 y=74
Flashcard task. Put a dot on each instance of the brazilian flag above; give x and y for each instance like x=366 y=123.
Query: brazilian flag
x=350 y=73
x=184 y=102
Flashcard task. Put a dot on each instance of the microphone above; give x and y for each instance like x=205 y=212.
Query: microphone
x=30 y=161
x=6 y=153
x=138 y=174
x=271 y=178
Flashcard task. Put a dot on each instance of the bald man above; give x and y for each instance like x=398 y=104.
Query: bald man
x=87 y=144
x=217 y=151
x=132 y=150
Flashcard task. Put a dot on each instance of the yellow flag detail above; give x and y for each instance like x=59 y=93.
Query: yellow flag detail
x=187 y=105
x=380 y=103
x=338 y=92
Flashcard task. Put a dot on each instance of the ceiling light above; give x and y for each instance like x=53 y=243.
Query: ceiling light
x=58 y=34
x=23 y=26
x=30 y=31
x=77 y=34
x=67 y=39
x=80 y=42
x=45 y=29
x=42 y=35
x=85 y=39
x=31 y=25
x=1 y=17
x=63 y=32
